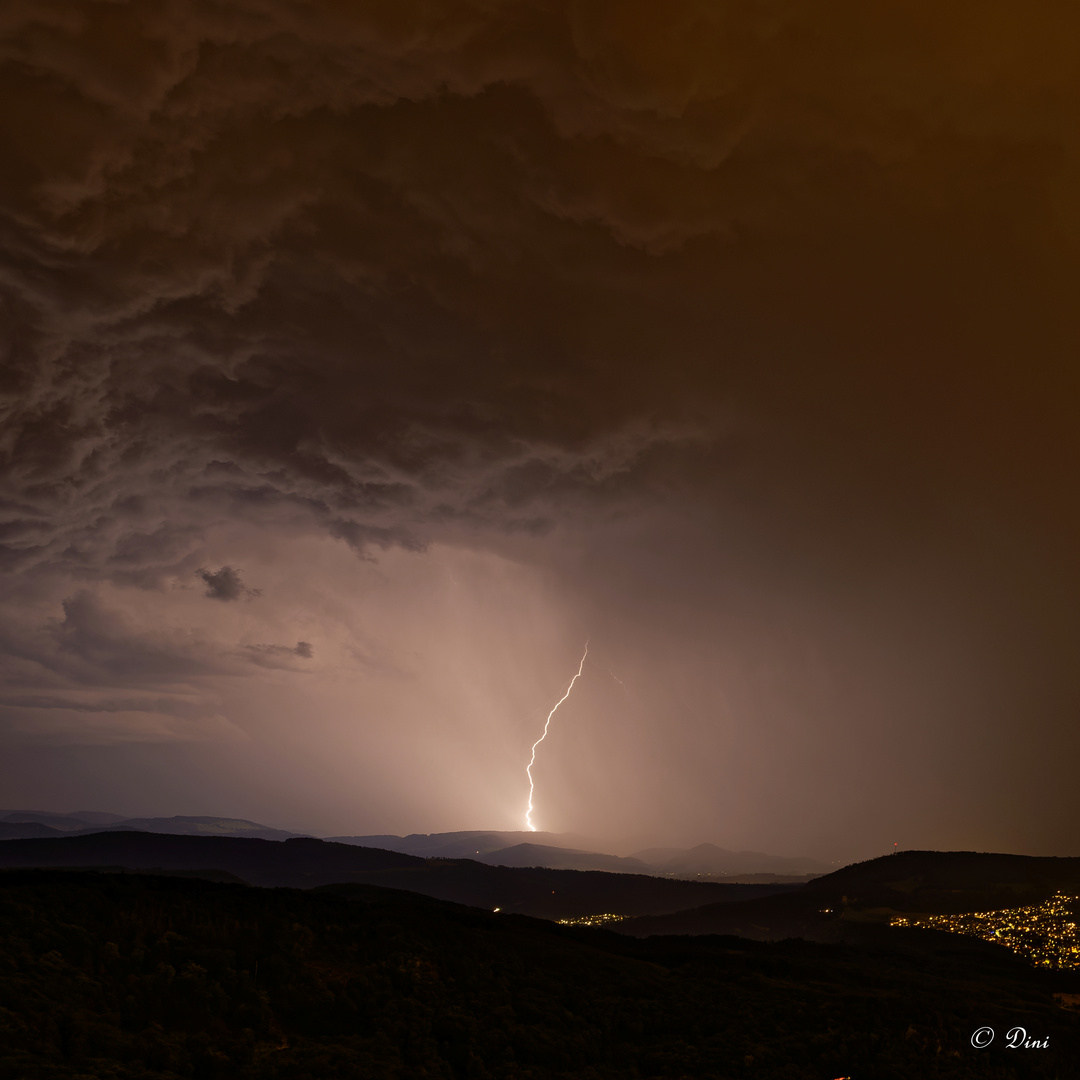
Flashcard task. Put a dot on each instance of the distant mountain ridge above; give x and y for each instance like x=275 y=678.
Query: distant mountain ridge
x=467 y=844
x=31 y=824
x=717 y=861
x=572 y=852
x=557 y=851
x=75 y=819
x=304 y=862
x=563 y=859
x=299 y=862
x=854 y=904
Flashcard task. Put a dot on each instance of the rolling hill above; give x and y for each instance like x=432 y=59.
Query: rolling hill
x=857 y=902
x=306 y=863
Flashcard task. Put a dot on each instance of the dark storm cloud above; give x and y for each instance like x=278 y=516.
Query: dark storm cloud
x=225 y=584
x=377 y=270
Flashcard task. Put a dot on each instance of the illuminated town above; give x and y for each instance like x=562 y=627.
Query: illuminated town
x=592 y=920
x=1045 y=934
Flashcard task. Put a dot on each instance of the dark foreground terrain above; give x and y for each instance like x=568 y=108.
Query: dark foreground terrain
x=131 y=976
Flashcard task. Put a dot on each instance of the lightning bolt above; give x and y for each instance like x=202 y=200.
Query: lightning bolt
x=528 y=768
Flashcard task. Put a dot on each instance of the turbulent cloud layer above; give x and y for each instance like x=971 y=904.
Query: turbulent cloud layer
x=749 y=326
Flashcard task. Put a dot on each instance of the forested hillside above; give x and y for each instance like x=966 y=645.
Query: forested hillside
x=125 y=976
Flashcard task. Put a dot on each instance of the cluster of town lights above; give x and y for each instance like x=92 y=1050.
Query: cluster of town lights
x=1045 y=934
x=592 y=920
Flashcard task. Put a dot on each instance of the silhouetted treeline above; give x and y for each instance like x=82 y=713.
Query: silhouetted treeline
x=124 y=976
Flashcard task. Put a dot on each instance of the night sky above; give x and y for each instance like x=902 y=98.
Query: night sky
x=362 y=361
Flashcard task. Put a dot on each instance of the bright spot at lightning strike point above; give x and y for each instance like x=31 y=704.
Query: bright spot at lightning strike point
x=528 y=768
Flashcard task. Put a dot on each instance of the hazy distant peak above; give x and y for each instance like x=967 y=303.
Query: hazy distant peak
x=84 y=821
x=65 y=822
x=214 y=822
x=205 y=826
x=555 y=858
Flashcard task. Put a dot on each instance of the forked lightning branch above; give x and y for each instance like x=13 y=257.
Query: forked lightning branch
x=547 y=723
